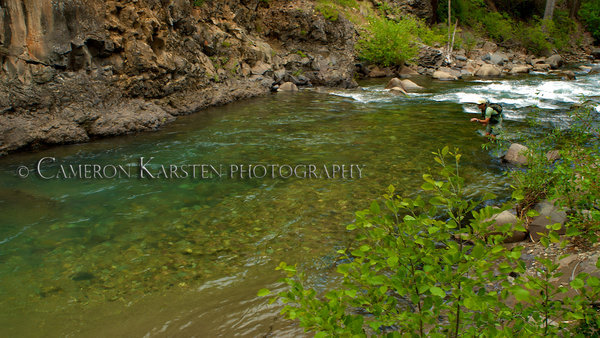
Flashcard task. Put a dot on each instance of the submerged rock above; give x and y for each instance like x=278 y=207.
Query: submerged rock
x=82 y=275
x=398 y=90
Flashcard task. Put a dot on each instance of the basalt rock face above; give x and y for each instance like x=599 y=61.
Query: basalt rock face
x=75 y=69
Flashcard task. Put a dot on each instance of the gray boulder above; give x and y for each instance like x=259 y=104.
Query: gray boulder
x=503 y=218
x=568 y=74
x=516 y=154
x=287 y=87
x=407 y=72
x=555 y=61
x=549 y=214
x=395 y=82
x=541 y=67
x=441 y=75
x=497 y=58
x=260 y=68
x=520 y=69
x=408 y=85
x=488 y=70
x=596 y=53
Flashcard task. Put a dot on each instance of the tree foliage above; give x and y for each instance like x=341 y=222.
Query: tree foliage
x=590 y=15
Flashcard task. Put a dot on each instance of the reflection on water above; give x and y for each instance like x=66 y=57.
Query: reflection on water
x=186 y=256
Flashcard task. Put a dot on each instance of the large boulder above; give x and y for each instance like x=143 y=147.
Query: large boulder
x=541 y=67
x=288 y=87
x=497 y=58
x=407 y=72
x=395 y=82
x=451 y=71
x=408 y=85
x=441 y=75
x=488 y=70
x=549 y=215
x=503 y=218
x=520 y=69
x=489 y=47
x=596 y=53
x=516 y=154
x=377 y=72
x=568 y=74
x=555 y=61
x=261 y=68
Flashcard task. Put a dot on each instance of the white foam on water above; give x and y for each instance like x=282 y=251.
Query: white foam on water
x=546 y=94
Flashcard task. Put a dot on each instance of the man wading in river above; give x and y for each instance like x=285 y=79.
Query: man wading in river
x=491 y=117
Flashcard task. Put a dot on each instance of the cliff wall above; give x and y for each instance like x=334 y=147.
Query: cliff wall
x=73 y=70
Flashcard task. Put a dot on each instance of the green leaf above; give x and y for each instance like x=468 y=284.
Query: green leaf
x=437 y=200
x=436 y=291
x=445 y=151
x=518 y=195
x=427 y=186
x=432 y=230
x=263 y=292
x=375 y=208
x=521 y=294
x=577 y=283
x=392 y=261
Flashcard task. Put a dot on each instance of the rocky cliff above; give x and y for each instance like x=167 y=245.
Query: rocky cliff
x=76 y=69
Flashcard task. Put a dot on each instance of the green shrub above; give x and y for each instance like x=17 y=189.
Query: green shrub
x=328 y=11
x=590 y=16
x=534 y=39
x=388 y=43
x=574 y=179
x=419 y=267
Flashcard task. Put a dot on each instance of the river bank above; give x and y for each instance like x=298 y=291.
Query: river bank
x=135 y=66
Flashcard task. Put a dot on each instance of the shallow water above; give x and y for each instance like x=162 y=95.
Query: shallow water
x=171 y=256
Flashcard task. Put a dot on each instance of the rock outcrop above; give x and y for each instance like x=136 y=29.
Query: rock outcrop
x=75 y=70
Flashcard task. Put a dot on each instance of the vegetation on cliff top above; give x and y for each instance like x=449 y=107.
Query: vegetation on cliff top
x=389 y=36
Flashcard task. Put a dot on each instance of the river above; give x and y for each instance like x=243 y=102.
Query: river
x=97 y=250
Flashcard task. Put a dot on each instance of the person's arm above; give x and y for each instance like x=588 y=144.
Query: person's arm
x=488 y=115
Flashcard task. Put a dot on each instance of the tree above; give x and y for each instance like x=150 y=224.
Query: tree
x=574 y=6
x=549 y=11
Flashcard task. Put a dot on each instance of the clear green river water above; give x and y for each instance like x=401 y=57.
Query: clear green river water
x=183 y=256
